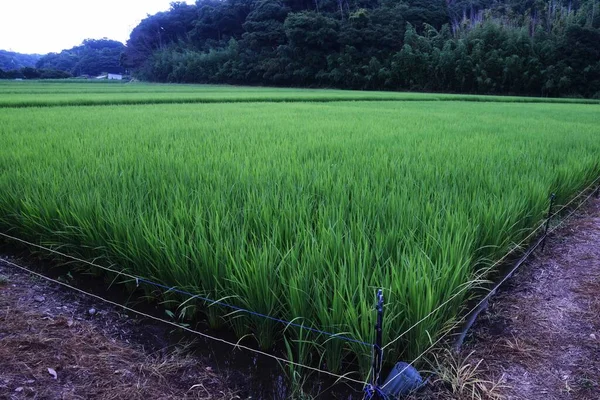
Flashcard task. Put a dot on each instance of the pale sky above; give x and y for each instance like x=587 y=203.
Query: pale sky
x=43 y=26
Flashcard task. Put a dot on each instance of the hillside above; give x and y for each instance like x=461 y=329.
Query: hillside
x=92 y=57
x=542 y=48
x=10 y=60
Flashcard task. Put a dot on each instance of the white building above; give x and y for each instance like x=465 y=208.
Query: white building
x=116 y=77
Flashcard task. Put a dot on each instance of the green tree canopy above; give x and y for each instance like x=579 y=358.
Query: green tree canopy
x=527 y=47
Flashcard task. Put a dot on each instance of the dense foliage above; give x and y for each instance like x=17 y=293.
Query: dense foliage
x=12 y=61
x=34 y=73
x=543 y=48
x=22 y=66
x=92 y=57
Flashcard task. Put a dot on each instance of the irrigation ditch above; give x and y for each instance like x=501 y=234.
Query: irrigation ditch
x=267 y=380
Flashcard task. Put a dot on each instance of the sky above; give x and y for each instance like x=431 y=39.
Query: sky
x=44 y=26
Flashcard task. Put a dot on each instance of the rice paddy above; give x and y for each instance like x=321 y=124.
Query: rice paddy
x=76 y=93
x=298 y=209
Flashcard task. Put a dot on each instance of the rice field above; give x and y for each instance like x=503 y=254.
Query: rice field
x=78 y=93
x=297 y=209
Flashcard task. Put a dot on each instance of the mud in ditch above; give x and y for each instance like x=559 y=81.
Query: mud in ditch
x=196 y=367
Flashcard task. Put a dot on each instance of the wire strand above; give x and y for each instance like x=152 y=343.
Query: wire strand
x=576 y=197
x=491 y=292
x=204 y=335
x=138 y=279
x=464 y=288
x=486 y=270
x=454 y=326
x=562 y=221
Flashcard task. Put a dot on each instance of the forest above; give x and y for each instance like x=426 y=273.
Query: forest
x=91 y=58
x=517 y=47
x=10 y=60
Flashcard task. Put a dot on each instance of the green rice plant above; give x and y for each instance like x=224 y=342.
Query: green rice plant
x=298 y=350
x=82 y=93
x=296 y=210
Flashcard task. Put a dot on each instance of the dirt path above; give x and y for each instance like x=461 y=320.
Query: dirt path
x=56 y=344
x=541 y=334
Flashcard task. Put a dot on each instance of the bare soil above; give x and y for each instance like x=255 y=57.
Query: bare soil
x=540 y=337
x=56 y=344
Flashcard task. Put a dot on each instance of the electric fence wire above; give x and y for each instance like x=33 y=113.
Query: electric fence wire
x=562 y=221
x=365 y=384
x=461 y=320
x=195 y=332
x=138 y=279
x=467 y=286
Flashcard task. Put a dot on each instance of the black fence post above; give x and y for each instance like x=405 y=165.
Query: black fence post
x=377 y=347
x=552 y=197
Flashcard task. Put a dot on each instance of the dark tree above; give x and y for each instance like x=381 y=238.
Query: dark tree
x=526 y=47
x=92 y=57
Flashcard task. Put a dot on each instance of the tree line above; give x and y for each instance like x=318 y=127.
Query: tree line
x=91 y=58
x=10 y=60
x=33 y=73
x=521 y=47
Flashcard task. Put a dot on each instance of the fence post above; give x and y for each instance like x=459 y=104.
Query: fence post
x=552 y=197
x=378 y=347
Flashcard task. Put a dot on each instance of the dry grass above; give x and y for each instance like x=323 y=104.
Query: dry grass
x=462 y=377
x=591 y=289
x=459 y=376
x=88 y=364
x=519 y=348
